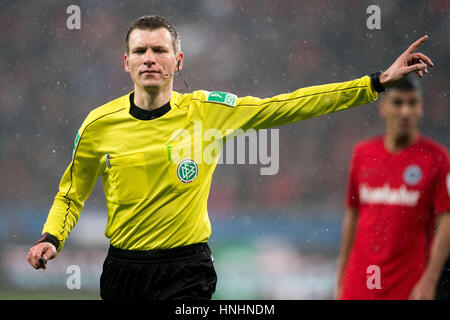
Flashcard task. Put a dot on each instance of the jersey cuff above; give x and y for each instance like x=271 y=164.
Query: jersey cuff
x=47 y=237
x=375 y=82
x=371 y=93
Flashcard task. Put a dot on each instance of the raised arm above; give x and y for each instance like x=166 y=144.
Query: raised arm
x=226 y=111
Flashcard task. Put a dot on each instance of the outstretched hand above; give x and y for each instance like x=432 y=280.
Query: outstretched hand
x=409 y=61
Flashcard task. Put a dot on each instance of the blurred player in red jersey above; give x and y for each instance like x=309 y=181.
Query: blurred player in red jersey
x=399 y=187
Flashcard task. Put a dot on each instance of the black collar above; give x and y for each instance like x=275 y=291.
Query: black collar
x=143 y=114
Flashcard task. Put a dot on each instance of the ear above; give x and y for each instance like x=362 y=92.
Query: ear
x=382 y=106
x=125 y=63
x=420 y=106
x=180 y=58
x=382 y=110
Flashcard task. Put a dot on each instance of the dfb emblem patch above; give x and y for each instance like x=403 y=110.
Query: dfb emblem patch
x=412 y=174
x=187 y=170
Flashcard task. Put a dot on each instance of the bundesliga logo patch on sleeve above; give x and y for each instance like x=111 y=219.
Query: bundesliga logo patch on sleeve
x=225 y=98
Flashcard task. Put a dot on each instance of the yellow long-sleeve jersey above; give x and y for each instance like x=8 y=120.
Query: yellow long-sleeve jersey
x=157 y=174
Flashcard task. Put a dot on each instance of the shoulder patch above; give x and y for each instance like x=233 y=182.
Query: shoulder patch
x=225 y=98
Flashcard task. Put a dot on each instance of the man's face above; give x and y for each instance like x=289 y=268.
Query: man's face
x=401 y=110
x=151 y=55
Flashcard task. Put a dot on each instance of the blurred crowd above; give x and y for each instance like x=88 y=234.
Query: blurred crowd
x=52 y=77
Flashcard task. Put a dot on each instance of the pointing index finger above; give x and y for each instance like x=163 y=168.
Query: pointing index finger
x=412 y=48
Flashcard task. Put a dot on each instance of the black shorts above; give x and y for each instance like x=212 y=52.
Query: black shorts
x=180 y=273
x=443 y=287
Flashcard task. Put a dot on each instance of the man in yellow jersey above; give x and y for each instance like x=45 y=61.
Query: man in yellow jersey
x=156 y=150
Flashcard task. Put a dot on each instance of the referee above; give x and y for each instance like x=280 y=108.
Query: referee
x=154 y=176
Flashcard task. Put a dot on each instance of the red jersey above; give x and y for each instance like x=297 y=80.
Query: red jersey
x=397 y=196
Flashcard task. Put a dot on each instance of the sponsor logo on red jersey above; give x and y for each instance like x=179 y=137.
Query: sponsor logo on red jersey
x=387 y=195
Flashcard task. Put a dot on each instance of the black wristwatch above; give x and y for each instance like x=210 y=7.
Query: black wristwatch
x=47 y=237
x=375 y=80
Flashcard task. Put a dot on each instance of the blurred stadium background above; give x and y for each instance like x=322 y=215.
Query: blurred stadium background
x=274 y=237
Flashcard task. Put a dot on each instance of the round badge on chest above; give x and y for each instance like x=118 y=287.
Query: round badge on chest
x=412 y=174
x=187 y=170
